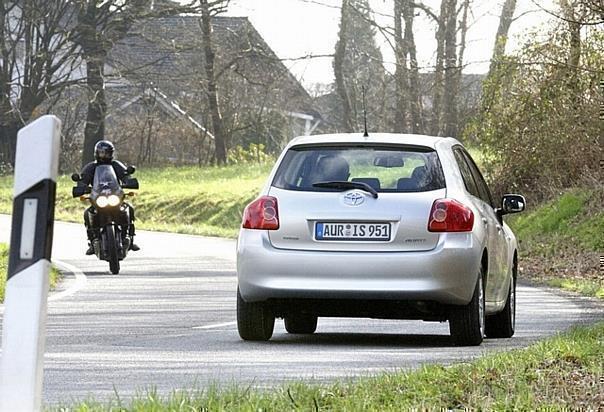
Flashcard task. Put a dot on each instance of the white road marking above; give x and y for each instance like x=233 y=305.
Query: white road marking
x=80 y=281
x=214 y=326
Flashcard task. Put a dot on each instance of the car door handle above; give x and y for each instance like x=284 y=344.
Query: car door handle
x=485 y=221
x=498 y=228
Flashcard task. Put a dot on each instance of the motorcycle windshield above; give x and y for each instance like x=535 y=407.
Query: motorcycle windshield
x=105 y=181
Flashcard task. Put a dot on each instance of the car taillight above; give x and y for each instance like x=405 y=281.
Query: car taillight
x=448 y=215
x=262 y=213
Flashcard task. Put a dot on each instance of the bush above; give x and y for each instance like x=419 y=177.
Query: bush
x=255 y=153
x=539 y=127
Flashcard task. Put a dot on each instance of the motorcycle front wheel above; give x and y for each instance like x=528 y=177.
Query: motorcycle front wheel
x=111 y=247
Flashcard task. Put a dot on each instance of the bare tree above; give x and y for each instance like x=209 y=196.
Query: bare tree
x=414 y=91
x=400 y=73
x=408 y=107
x=448 y=126
x=574 y=13
x=505 y=21
x=209 y=9
x=358 y=65
x=338 y=67
x=100 y=24
x=37 y=60
x=438 y=84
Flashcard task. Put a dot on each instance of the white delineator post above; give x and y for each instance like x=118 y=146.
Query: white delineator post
x=24 y=321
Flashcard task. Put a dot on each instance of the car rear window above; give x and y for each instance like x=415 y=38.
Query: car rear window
x=386 y=169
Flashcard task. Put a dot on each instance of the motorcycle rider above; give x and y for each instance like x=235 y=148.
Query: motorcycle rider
x=104 y=155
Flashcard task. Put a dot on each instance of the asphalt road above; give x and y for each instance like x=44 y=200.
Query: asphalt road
x=168 y=321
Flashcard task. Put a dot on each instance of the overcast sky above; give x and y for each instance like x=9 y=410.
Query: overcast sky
x=295 y=28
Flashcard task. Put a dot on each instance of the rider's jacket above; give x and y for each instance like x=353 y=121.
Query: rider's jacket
x=88 y=172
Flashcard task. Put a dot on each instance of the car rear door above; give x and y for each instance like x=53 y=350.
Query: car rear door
x=500 y=240
x=488 y=219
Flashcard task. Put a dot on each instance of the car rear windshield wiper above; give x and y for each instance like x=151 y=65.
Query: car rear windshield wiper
x=344 y=185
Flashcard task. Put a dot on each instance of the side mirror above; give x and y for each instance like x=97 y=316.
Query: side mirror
x=130 y=170
x=130 y=183
x=80 y=191
x=76 y=177
x=512 y=204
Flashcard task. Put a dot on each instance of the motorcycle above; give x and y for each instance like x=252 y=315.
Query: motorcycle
x=110 y=213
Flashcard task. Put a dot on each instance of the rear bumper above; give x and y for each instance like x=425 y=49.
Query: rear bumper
x=447 y=274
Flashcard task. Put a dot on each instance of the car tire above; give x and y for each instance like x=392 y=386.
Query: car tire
x=467 y=323
x=254 y=320
x=301 y=324
x=502 y=324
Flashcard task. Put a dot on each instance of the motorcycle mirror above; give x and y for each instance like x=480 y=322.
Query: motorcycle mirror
x=76 y=177
x=131 y=170
x=79 y=191
x=130 y=183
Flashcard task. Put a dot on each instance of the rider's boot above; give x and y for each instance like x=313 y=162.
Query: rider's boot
x=91 y=237
x=133 y=246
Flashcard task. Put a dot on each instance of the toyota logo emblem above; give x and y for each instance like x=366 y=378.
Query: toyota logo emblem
x=354 y=198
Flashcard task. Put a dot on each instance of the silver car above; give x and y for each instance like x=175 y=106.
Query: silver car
x=388 y=226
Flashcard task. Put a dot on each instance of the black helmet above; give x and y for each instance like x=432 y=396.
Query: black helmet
x=103 y=151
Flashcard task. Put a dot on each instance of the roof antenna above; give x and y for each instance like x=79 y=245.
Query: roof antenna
x=366 y=133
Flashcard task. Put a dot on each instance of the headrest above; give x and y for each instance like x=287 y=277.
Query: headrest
x=374 y=182
x=332 y=168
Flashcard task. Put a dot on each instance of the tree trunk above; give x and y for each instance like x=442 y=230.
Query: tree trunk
x=574 y=52
x=457 y=79
x=505 y=21
x=97 y=105
x=338 y=69
x=414 y=92
x=400 y=73
x=212 y=89
x=449 y=126
x=439 y=70
x=8 y=142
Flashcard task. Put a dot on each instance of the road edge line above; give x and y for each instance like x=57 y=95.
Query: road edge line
x=215 y=325
x=80 y=281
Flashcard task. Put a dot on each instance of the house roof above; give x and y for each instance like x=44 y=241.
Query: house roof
x=167 y=53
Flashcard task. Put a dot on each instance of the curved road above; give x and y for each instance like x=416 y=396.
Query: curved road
x=168 y=321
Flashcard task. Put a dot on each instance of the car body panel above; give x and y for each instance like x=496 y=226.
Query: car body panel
x=442 y=275
x=290 y=263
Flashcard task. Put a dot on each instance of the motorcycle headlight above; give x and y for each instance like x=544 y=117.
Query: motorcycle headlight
x=102 y=201
x=113 y=200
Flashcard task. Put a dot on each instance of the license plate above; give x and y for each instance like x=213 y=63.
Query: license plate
x=352 y=231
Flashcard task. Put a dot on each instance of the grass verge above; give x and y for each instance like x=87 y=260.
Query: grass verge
x=560 y=373
x=55 y=275
x=562 y=241
x=203 y=201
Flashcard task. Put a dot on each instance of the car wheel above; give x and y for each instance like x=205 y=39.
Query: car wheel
x=467 y=323
x=254 y=320
x=502 y=324
x=302 y=324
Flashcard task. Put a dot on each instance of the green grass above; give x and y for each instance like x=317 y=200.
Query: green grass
x=562 y=241
x=576 y=216
x=562 y=372
x=54 y=273
x=585 y=287
x=204 y=201
x=554 y=217
x=3 y=269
